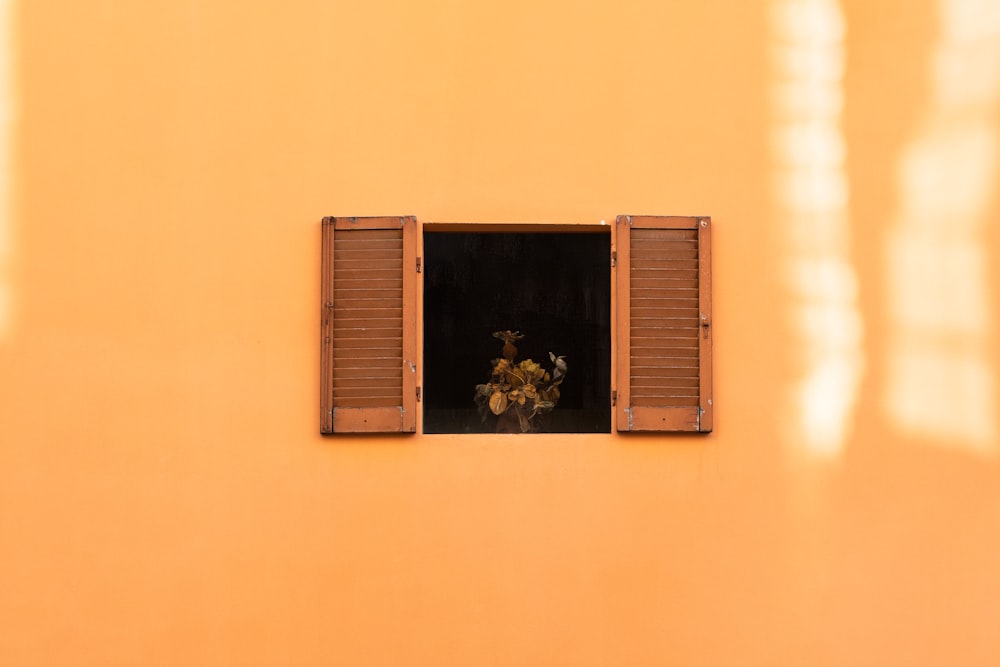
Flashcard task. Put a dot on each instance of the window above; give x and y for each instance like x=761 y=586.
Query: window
x=636 y=298
x=554 y=288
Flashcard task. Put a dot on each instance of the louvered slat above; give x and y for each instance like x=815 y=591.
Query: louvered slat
x=361 y=297
x=659 y=309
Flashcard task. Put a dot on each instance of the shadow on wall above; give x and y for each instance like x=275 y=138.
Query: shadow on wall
x=905 y=338
x=885 y=165
x=940 y=377
x=812 y=224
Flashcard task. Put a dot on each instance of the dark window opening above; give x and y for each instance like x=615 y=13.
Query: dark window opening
x=555 y=288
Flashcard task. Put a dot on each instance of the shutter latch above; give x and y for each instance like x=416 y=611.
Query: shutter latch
x=704 y=325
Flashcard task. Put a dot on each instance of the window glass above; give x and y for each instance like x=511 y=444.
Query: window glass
x=552 y=288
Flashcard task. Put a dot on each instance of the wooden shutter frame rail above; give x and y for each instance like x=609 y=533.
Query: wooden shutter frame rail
x=361 y=418
x=665 y=417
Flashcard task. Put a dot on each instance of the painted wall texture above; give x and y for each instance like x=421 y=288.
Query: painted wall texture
x=165 y=495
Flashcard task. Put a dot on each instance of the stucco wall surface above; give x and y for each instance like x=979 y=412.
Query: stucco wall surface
x=165 y=495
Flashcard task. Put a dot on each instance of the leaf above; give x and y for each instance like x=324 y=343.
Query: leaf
x=508 y=336
x=516 y=377
x=525 y=423
x=559 y=361
x=483 y=389
x=498 y=403
x=530 y=391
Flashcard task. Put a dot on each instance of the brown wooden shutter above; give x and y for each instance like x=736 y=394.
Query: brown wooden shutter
x=663 y=325
x=369 y=325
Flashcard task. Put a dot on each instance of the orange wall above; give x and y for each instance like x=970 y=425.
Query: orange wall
x=166 y=499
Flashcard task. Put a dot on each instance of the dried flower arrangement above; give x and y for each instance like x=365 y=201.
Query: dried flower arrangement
x=518 y=393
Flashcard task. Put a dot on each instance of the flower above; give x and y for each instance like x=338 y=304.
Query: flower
x=529 y=366
x=524 y=390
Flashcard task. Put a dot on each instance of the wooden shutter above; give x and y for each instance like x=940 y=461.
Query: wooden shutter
x=663 y=324
x=369 y=325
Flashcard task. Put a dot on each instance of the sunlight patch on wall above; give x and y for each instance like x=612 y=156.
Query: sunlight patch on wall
x=6 y=152
x=941 y=386
x=812 y=223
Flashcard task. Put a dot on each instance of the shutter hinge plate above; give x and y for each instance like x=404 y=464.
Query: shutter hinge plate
x=419 y=265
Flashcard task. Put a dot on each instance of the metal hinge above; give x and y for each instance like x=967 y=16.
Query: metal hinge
x=418 y=395
x=614 y=258
x=419 y=266
x=614 y=397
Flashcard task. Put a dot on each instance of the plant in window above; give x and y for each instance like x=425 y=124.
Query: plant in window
x=519 y=393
